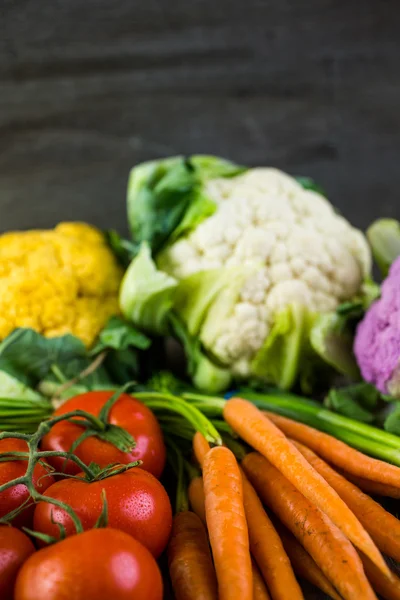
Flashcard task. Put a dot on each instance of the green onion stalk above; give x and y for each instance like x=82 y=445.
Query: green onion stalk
x=365 y=438
x=24 y=414
x=168 y=408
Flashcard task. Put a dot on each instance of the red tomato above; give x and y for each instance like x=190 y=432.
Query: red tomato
x=18 y=494
x=101 y=564
x=128 y=413
x=137 y=504
x=15 y=547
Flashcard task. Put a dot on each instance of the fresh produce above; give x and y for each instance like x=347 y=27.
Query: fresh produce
x=260 y=591
x=304 y=566
x=200 y=447
x=137 y=504
x=128 y=413
x=189 y=559
x=264 y=284
x=257 y=430
x=265 y=544
x=59 y=281
x=389 y=589
x=375 y=488
x=377 y=343
x=15 y=548
x=327 y=545
x=227 y=526
x=96 y=565
x=292 y=489
x=366 y=438
x=382 y=526
x=222 y=249
x=267 y=548
x=18 y=495
x=37 y=374
x=340 y=454
x=384 y=238
x=196 y=498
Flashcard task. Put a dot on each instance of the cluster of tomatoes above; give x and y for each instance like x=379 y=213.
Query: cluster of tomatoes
x=116 y=562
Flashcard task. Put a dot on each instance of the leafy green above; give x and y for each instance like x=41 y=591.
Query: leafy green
x=331 y=337
x=394 y=383
x=118 y=334
x=147 y=294
x=392 y=421
x=358 y=401
x=205 y=374
x=159 y=193
x=30 y=357
x=309 y=184
x=384 y=238
x=10 y=387
x=166 y=199
x=196 y=293
x=124 y=345
x=278 y=360
x=201 y=207
x=63 y=367
x=123 y=249
x=212 y=167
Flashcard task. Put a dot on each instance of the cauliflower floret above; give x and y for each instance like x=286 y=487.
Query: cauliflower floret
x=377 y=343
x=297 y=250
x=58 y=281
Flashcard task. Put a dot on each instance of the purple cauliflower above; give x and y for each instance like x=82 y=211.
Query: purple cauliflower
x=377 y=343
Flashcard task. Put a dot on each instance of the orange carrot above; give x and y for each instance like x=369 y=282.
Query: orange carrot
x=372 y=487
x=226 y=523
x=196 y=498
x=382 y=526
x=339 y=453
x=387 y=588
x=327 y=545
x=265 y=544
x=200 y=447
x=259 y=588
x=189 y=560
x=267 y=548
x=304 y=566
x=258 y=431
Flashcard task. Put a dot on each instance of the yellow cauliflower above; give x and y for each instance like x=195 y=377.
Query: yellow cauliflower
x=58 y=281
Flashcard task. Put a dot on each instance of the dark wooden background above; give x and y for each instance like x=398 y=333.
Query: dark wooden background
x=88 y=88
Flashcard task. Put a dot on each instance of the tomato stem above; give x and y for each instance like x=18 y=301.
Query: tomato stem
x=33 y=456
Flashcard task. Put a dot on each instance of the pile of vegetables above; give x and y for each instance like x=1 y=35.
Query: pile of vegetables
x=273 y=509
x=222 y=249
x=270 y=437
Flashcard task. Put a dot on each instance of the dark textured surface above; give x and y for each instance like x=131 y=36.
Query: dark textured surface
x=89 y=88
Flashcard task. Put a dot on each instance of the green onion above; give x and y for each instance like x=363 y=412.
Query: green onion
x=23 y=414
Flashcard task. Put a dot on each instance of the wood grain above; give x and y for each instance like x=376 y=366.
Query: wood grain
x=87 y=89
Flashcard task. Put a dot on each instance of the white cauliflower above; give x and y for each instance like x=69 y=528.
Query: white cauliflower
x=257 y=258
x=297 y=250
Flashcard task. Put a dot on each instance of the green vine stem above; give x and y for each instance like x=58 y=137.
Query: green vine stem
x=34 y=456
